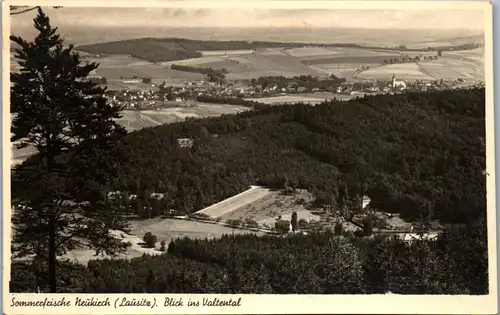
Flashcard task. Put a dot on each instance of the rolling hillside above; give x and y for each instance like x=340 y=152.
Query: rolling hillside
x=172 y=49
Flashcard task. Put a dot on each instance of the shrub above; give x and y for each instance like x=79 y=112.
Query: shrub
x=235 y=222
x=251 y=223
x=302 y=223
x=150 y=240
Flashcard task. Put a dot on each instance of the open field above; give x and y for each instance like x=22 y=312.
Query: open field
x=118 y=68
x=311 y=51
x=225 y=52
x=406 y=71
x=248 y=66
x=446 y=68
x=134 y=120
x=230 y=204
x=165 y=229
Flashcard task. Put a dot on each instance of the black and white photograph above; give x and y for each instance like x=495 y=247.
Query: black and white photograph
x=237 y=148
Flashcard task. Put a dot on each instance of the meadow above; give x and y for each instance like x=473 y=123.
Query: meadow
x=467 y=64
x=165 y=230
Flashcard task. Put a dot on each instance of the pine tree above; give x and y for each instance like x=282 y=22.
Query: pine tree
x=59 y=195
x=294 y=221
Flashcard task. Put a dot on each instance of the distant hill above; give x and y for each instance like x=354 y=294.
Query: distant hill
x=173 y=49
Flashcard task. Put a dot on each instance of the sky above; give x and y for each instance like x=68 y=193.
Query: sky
x=182 y=17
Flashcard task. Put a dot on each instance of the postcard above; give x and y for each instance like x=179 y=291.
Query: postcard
x=248 y=157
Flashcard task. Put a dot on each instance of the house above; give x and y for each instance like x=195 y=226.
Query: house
x=410 y=237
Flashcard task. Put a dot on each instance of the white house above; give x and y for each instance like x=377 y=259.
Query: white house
x=366 y=201
x=410 y=237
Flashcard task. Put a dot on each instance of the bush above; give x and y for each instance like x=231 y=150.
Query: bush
x=162 y=247
x=303 y=223
x=150 y=240
x=235 y=222
x=251 y=223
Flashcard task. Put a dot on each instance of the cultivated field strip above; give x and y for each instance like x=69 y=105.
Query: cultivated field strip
x=230 y=204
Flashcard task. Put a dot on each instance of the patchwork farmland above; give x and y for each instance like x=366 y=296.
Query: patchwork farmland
x=350 y=63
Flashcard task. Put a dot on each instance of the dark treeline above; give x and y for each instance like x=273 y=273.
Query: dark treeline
x=231 y=101
x=197 y=69
x=314 y=264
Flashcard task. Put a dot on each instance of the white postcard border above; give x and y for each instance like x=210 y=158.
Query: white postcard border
x=270 y=304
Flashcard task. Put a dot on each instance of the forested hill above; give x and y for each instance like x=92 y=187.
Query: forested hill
x=421 y=154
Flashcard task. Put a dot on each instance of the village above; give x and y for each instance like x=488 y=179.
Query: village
x=158 y=96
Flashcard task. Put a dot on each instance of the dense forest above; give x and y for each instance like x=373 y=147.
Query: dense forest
x=231 y=101
x=313 y=264
x=418 y=154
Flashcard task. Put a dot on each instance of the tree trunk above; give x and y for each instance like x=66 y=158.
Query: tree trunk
x=52 y=258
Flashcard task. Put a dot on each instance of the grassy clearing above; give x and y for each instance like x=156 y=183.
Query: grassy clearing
x=406 y=71
x=311 y=51
x=165 y=230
